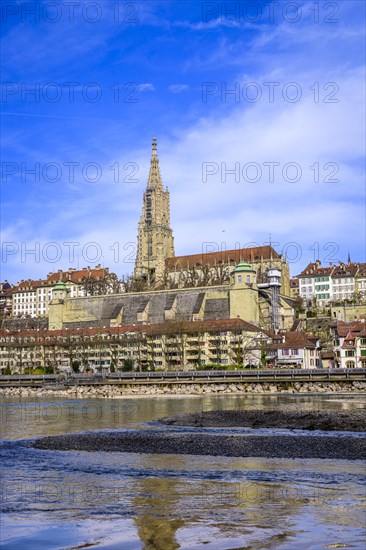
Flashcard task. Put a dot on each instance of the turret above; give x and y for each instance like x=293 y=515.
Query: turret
x=56 y=306
x=244 y=293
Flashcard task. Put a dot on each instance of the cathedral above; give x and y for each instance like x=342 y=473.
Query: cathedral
x=157 y=264
x=155 y=242
x=247 y=284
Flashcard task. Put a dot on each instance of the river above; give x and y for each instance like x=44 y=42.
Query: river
x=68 y=500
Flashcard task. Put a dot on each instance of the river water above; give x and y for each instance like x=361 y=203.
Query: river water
x=69 y=500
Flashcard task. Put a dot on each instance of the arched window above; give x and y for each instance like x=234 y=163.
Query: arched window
x=350 y=364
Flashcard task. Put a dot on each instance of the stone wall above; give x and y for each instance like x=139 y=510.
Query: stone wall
x=151 y=390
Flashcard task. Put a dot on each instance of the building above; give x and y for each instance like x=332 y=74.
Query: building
x=294 y=287
x=5 y=299
x=296 y=350
x=32 y=297
x=164 y=346
x=157 y=264
x=241 y=298
x=349 y=341
x=215 y=267
x=335 y=283
x=155 y=240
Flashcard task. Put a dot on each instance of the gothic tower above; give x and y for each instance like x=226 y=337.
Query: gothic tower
x=155 y=240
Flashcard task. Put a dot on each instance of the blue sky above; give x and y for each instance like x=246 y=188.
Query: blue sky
x=291 y=131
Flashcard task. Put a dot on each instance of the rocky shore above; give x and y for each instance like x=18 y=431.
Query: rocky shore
x=354 y=421
x=118 y=391
x=319 y=447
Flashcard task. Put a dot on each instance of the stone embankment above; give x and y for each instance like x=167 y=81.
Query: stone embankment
x=151 y=390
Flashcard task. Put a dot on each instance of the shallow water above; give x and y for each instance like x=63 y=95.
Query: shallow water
x=59 y=500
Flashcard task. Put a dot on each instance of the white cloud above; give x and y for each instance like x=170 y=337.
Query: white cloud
x=147 y=86
x=177 y=88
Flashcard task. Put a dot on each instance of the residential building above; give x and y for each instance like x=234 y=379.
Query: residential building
x=335 y=283
x=349 y=341
x=32 y=297
x=164 y=346
x=296 y=350
x=294 y=287
x=5 y=299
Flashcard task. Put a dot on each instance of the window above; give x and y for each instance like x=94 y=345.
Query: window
x=350 y=353
x=350 y=364
x=239 y=278
x=248 y=278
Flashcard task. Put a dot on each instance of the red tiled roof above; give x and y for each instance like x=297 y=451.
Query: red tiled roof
x=297 y=339
x=314 y=269
x=349 y=341
x=74 y=276
x=355 y=327
x=223 y=257
x=327 y=355
x=162 y=328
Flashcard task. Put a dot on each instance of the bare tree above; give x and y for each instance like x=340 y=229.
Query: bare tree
x=98 y=286
x=220 y=274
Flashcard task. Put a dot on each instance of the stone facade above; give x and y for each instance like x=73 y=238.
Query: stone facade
x=240 y=299
x=155 y=240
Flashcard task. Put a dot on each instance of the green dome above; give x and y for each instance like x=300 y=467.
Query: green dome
x=60 y=285
x=241 y=267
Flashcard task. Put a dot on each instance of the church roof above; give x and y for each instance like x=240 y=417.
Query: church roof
x=231 y=257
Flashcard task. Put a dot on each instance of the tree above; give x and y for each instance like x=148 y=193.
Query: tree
x=220 y=274
x=134 y=284
x=75 y=366
x=99 y=286
x=127 y=365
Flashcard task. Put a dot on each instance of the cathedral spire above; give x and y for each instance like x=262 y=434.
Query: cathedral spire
x=154 y=181
x=155 y=242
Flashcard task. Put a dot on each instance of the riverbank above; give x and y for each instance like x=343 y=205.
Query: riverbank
x=154 y=442
x=115 y=391
x=319 y=420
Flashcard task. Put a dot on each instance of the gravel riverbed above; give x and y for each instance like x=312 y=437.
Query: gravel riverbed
x=354 y=421
x=239 y=445
x=286 y=446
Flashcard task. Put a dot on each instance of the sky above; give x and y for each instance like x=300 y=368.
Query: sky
x=258 y=109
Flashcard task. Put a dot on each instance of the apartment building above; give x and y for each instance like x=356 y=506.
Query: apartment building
x=334 y=283
x=349 y=341
x=32 y=297
x=166 y=346
x=296 y=349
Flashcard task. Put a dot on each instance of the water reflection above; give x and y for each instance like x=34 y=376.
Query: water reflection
x=31 y=418
x=126 y=500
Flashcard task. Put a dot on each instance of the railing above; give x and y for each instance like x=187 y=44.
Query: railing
x=198 y=376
